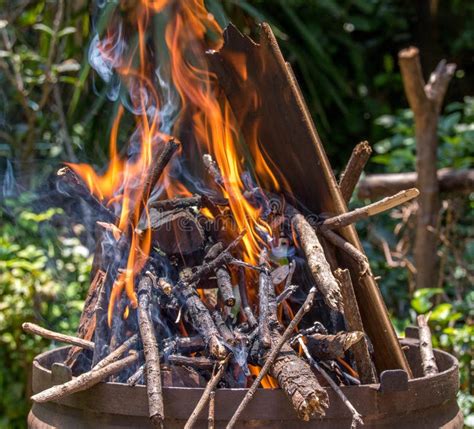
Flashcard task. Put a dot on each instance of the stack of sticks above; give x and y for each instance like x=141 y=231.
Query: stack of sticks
x=204 y=315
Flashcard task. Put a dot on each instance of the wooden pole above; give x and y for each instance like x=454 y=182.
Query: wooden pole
x=426 y=101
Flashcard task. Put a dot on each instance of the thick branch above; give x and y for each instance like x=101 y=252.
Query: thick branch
x=380 y=185
x=317 y=263
x=152 y=356
x=46 y=333
x=413 y=82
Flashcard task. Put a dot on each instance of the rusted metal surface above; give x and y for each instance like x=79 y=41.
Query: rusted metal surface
x=395 y=403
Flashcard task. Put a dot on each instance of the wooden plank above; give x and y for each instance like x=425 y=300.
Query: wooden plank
x=273 y=118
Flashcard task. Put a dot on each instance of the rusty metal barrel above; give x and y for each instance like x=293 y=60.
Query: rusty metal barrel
x=422 y=402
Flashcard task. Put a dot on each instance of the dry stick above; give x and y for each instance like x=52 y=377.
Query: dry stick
x=224 y=284
x=85 y=381
x=428 y=361
x=317 y=262
x=176 y=203
x=156 y=170
x=364 y=364
x=135 y=378
x=272 y=356
x=197 y=362
x=244 y=302
x=383 y=205
x=211 y=385
x=209 y=267
x=152 y=356
x=70 y=183
x=286 y=293
x=349 y=248
x=354 y=168
x=118 y=352
x=264 y=313
x=212 y=406
x=46 y=333
x=356 y=417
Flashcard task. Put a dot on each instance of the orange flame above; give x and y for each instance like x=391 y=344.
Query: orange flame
x=204 y=114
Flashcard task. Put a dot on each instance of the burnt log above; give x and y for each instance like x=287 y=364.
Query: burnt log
x=330 y=347
x=176 y=232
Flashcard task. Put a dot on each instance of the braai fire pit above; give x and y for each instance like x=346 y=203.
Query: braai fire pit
x=428 y=402
x=218 y=274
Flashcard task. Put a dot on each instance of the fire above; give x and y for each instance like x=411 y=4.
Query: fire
x=203 y=114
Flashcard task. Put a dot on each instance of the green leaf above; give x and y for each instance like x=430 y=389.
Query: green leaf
x=421 y=301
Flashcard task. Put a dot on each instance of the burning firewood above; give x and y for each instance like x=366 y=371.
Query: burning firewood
x=266 y=292
x=293 y=375
x=224 y=284
x=207 y=393
x=152 y=357
x=71 y=184
x=327 y=347
x=316 y=259
x=356 y=417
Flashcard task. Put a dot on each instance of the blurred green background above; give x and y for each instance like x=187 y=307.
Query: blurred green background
x=345 y=56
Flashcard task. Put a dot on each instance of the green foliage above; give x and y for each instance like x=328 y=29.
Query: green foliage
x=43 y=278
x=456 y=139
x=452 y=327
x=451 y=302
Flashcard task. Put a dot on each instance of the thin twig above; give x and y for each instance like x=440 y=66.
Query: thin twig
x=85 y=380
x=307 y=305
x=211 y=385
x=383 y=205
x=212 y=406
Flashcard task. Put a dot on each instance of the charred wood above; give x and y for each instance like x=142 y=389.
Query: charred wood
x=330 y=347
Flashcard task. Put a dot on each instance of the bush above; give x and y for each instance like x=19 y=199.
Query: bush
x=44 y=275
x=451 y=301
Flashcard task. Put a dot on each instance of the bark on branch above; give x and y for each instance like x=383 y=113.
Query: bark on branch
x=425 y=101
x=354 y=168
x=381 y=185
